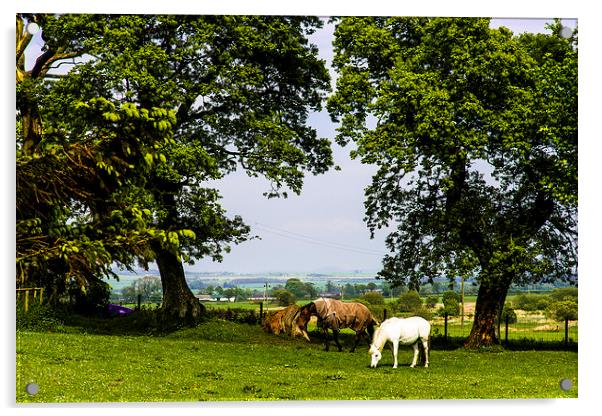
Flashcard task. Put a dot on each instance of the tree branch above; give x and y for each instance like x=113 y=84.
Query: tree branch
x=45 y=60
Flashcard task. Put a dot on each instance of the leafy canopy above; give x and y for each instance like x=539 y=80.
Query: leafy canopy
x=79 y=160
x=156 y=108
x=474 y=133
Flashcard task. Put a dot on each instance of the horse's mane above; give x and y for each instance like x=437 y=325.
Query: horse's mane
x=377 y=339
x=305 y=312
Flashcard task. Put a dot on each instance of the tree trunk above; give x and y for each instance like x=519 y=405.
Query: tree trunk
x=490 y=303
x=178 y=300
x=32 y=128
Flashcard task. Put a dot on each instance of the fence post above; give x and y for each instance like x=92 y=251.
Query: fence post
x=139 y=300
x=384 y=314
x=566 y=333
x=445 y=328
x=260 y=312
x=26 y=300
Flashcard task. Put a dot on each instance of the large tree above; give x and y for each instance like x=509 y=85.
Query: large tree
x=240 y=89
x=474 y=132
x=76 y=168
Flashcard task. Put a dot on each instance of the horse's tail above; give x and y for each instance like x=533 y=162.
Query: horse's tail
x=371 y=331
x=373 y=322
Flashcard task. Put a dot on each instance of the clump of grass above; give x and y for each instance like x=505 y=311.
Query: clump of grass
x=251 y=389
x=39 y=318
x=334 y=377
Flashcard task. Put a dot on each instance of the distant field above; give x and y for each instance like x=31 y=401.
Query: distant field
x=252 y=282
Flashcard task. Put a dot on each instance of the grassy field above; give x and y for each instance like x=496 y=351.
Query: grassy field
x=99 y=361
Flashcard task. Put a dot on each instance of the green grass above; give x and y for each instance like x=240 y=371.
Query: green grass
x=92 y=361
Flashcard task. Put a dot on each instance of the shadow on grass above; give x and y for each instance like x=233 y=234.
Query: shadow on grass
x=139 y=323
x=524 y=344
x=152 y=323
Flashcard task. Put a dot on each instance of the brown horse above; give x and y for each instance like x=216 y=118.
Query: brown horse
x=283 y=320
x=334 y=315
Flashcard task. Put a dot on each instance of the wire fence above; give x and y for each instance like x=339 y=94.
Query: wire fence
x=531 y=328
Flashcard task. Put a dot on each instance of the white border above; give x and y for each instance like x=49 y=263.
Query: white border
x=589 y=160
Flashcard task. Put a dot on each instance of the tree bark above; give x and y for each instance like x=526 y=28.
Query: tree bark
x=178 y=300
x=489 y=306
x=32 y=127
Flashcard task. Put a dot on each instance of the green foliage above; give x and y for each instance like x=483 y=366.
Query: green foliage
x=508 y=315
x=39 y=318
x=301 y=289
x=565 y=293
x=563 y=310
x=409 y=301
x=447 y=92
x=531 y=302
x=451 y=303
x=79 y=162
x=374 y=298
x=239 y=315
x=284 y=297
x=431 y=301
x=149 y=287
x=237 y=293
x=423 y=312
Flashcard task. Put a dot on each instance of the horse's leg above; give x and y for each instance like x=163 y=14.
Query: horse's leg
x=335 y=335
x=395 y=350
x=425 y=344
x=415 y=347
x=325 y=330
x=358 y=336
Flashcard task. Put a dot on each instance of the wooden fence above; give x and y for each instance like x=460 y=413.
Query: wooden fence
x=23 y=295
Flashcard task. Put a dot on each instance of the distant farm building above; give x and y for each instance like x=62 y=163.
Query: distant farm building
x=211 y=298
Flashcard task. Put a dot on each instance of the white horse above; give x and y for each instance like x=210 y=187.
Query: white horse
x=408 y=331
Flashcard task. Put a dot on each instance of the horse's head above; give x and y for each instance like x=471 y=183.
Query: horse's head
x=375 y=354
x=305 y=313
